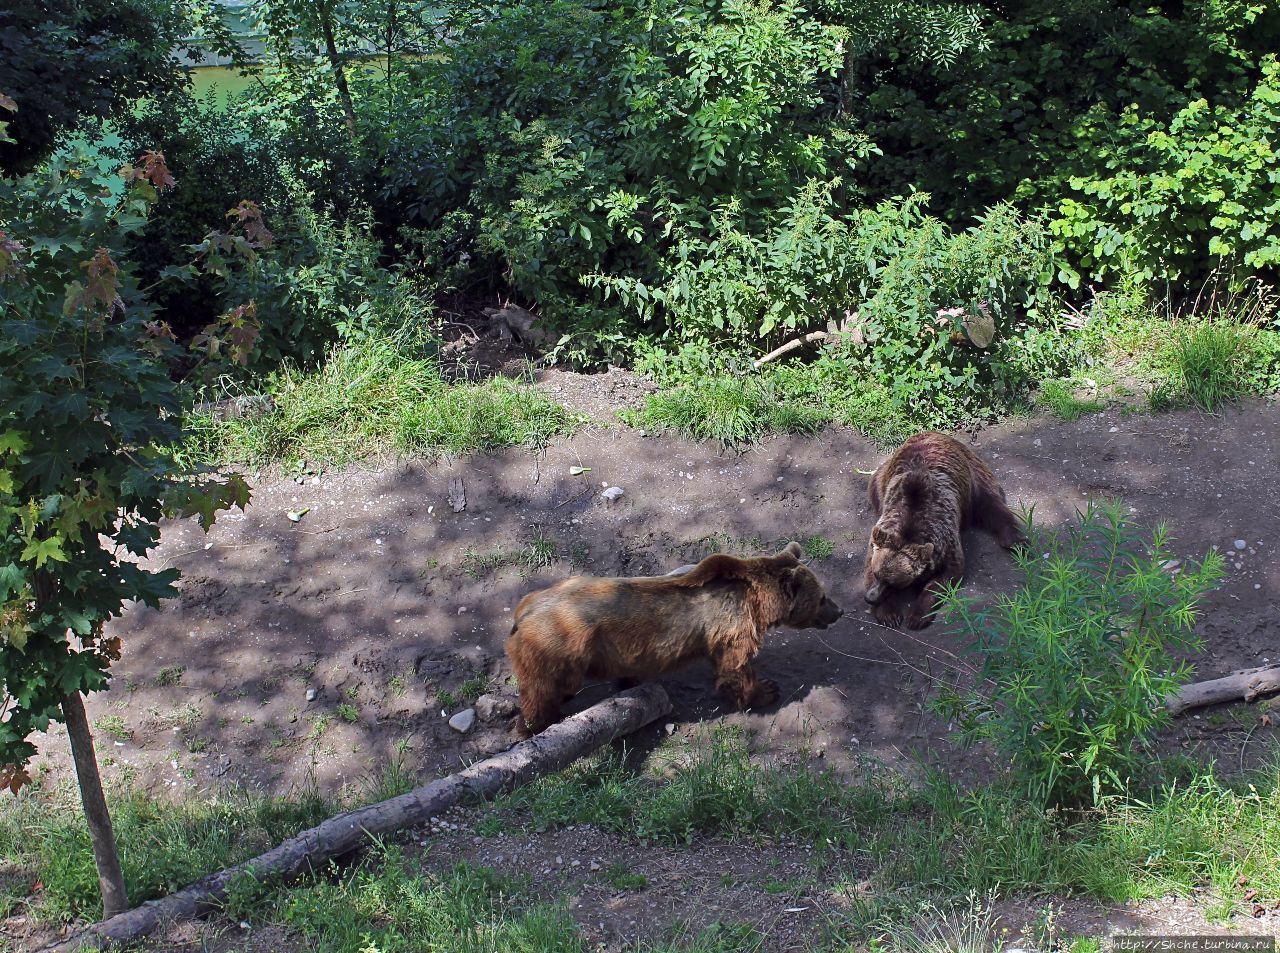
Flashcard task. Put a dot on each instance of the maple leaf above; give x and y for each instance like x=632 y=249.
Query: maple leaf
x=10 y=249
x=151 y=169
x=44 y=550
x=7 y=102
x=13 y=777
x=249 y=217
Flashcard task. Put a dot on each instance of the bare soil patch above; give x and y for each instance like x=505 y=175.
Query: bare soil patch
x=316 y=651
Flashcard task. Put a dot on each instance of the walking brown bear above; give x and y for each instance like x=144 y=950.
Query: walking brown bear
x=634 y=628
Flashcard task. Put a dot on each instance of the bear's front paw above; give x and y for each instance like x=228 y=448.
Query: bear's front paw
x=520 y=728
x=917 y=620
x=887 y=614
x=765 y=694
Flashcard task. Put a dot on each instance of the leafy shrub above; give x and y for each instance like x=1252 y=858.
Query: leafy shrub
x=219 y=158
x=1188 y=195
x=1077 y=663
x=85 y=400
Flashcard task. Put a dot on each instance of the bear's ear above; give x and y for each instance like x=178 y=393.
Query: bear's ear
x=792 y=549
x=789 y=580
x=925 y=552
x=878 y=536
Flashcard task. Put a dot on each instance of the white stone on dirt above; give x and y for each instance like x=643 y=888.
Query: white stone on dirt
x=1240 y=544
x=612 y=493
x=463 y=720
x=311 y=694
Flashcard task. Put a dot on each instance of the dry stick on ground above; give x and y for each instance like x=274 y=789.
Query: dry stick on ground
x=554 y=749
x=792 y=346
x=1247 y=684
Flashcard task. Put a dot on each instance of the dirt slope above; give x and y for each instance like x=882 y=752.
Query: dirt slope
x=385 y=601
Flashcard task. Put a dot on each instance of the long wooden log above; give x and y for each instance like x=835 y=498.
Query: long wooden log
x=1247 y=684
x=551 y=750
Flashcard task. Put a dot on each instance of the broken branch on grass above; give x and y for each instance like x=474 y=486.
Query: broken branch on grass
x=552 y=750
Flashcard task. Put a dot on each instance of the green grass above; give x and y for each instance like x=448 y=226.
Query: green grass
x=348 y=713
x=163 y=845
x=728 y=409
x=1060 y=398
x=391 y=906
x=374 y=397
x=818 y=547
x=170 y=675
x=114 y=726
x=931 y=836
x=1210 y=362
x=473 y=687
x=622 y=877
x=924 y=840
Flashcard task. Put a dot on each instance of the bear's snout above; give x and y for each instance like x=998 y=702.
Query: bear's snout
x=828 y=613
x=875 y=593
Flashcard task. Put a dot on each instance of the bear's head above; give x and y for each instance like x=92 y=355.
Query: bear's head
x=896 y=563
x=805 y=603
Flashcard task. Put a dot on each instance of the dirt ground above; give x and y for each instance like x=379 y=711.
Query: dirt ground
x=318 y=650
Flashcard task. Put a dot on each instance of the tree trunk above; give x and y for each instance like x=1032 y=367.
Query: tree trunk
x=114 y=898
x=551 y=750
x=325 y=17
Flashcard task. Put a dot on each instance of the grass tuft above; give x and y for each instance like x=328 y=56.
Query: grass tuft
x=379 y=395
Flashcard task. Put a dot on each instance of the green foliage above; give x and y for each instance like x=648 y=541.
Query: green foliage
x=85 y=400
x=379 y=394
x=1077 y=663
x=163 y=846
x=390 y=906
x=68 y=60
x=1148 y=132
x=1062 y=400
x=1184 y=195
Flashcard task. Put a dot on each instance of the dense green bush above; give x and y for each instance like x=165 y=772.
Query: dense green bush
x=1147 y=130
x=68 y=60
x=1077 y=663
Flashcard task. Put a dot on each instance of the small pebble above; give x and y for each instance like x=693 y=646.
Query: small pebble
x=1240 y=544
x=311 y=694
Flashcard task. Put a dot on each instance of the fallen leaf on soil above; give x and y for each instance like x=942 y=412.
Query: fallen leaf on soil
x=295 y=515
x=578 y=471
x=1250 y=894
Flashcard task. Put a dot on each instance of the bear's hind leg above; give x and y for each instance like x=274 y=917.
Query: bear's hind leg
x=992 y=513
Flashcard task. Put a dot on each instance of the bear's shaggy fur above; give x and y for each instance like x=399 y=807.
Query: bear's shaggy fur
x=931 y=488
x=628 y=629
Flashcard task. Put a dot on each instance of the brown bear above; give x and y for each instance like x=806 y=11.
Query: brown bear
x=628 y=629
x=931 y=488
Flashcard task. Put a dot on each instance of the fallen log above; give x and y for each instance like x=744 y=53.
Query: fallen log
x=551 y=750
x=1246 y=685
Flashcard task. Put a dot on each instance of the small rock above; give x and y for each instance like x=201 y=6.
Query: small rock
x=594 y=865
x=1240 y=544
x=1036 y=442
x=612 y=493
x=559 y=860
x=311 y=694
x=489 y=707
x=463 y=720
